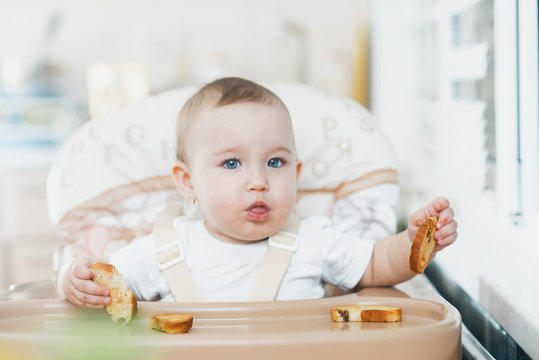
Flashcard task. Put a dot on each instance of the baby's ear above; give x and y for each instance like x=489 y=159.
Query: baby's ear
x=299 y=164
x=182 y=179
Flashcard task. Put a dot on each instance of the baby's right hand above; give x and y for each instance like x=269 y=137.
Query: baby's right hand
x=79 y=288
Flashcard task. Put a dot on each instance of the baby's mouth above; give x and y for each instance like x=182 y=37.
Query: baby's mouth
x=258 y=211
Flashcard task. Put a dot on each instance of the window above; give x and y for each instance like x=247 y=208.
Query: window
x=455 y=50
x=455 y=86
x=473 y=93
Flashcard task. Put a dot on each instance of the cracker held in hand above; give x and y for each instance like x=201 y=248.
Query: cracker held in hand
x=423 y=245
x=172 y=323
x=366 y=313
x=123 y=306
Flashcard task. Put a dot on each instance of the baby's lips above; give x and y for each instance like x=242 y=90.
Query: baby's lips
x=258 y=209
x=258 y=206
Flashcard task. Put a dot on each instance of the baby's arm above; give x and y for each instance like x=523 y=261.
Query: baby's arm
x=389 y=264
x=75 y=283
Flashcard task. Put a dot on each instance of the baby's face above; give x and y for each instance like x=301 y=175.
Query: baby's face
x=244 y=169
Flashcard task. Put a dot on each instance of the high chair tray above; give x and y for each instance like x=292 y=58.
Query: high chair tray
x=56 y=329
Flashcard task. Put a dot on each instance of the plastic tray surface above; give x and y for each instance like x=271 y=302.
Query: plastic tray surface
x=56 y=329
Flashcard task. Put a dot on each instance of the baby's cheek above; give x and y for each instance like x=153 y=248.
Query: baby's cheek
x=221 y=208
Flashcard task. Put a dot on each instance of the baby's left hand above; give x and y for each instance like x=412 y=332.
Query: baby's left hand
x=447 y=225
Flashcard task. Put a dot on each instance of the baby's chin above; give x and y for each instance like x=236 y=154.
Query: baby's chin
x=244 y=231
x=240 y=234
x=257 y=232
x=255 y=235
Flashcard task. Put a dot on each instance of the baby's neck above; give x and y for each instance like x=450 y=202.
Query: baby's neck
x=228 y=239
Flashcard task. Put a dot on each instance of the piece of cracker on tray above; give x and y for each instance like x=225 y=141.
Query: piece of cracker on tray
x=366 y=313
x=172 y=323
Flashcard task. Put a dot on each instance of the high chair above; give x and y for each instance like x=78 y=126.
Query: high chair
x=111 y=180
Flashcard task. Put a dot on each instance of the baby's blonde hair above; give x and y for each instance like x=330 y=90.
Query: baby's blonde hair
x=221 y=92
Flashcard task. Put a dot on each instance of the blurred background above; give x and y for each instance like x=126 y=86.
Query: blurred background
x=65 y=62
x=452 y=83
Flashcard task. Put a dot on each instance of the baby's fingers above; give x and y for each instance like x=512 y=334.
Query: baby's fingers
x=90 y=287
x=88 y=300
x=88 y=293
x=445 y=217
x=85 y=292
x=446 y=235
x=81 y=269
x=437 y=206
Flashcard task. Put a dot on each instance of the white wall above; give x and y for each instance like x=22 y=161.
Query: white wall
x=186 y=41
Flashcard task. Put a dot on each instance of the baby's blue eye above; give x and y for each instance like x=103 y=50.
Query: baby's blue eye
x=275 y=163
x=231 y=163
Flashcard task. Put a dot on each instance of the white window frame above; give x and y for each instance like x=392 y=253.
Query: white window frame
x=506 y=95
x=528 y=110
x=517 y=118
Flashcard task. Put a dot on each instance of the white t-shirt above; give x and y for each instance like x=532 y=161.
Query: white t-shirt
x=226 y=272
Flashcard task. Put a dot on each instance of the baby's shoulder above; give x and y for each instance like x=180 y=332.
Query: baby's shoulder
x=323 y=229
x=314 y=225
x=188 y=227
x=187 y=221
x=315 y=220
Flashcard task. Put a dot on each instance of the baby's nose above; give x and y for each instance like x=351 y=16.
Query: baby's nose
x=257 y=182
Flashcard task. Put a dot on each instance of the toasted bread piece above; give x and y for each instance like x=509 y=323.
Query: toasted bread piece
x=423 y=245
x=366 y=313
x=172 y=323
x=123 y=306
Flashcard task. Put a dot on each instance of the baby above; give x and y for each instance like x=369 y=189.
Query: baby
x=237 y=160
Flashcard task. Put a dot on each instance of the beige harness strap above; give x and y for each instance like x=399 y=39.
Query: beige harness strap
x=281 y=246
x=171 y=258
